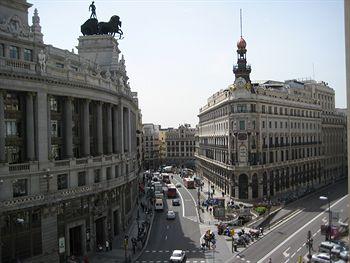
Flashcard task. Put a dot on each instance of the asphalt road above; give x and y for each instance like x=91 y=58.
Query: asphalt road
x=286 y=242
x=182 y=233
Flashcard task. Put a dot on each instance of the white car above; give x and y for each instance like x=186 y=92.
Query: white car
x=170 y=215
x=178 y=256
x=324 y=258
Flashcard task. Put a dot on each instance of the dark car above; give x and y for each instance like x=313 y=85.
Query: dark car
x=176 y=202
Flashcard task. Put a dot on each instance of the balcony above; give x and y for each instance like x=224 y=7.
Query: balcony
x=17 y=65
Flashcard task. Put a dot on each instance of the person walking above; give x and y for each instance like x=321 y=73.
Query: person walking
x=107 y=245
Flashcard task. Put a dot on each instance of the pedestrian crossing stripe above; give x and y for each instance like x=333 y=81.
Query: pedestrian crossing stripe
x=167 y=251
x=166 y=261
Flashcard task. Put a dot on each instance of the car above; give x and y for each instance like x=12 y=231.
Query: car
x=324 y=258
x=178 y=185
x=178 y=256
x=176 y=202
x=170 y=215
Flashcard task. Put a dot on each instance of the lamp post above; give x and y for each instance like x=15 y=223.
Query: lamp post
x=329 y=228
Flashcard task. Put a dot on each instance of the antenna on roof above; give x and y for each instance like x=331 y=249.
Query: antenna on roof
x=240 y=11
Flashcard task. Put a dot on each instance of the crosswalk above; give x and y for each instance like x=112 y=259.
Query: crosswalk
x=167 y=261
x=168 y=251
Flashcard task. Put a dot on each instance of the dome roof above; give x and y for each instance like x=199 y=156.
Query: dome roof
x=241 y=44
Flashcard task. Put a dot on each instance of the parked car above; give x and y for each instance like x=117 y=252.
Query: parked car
x=178 y=256
x=170 y=215
x=324 y=258
x=176 y=202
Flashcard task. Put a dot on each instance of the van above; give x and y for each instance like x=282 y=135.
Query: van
x=159 y=204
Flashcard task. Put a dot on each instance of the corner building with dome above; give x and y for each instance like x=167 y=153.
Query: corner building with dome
x=270 y=139
x=70 y=142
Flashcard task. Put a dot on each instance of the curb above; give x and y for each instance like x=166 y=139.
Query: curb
x=148 y=235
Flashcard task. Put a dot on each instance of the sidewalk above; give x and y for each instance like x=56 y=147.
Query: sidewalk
x=118 y=253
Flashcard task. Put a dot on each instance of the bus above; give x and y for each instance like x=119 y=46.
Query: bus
x=189 y=183
x=171 y=191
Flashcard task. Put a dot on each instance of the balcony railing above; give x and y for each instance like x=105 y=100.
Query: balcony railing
x=19 y=167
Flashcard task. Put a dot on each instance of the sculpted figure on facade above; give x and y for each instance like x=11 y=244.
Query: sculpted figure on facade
x=42 y=61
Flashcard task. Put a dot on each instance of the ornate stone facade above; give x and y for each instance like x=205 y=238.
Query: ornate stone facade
x=70 y=142
x=270 y=138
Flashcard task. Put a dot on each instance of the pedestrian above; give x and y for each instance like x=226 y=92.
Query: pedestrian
x=270 y=260
x=207 y=207
x=110 y=244
x=107 y=245
x=210 y=209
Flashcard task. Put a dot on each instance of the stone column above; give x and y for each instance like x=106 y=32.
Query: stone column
x=42 y=133
x=30 y=126
x=68 y=121
x=99 y=128
x=115 y=129
x=2 y=128
x=49 y=126
x=129 y=130
x=109 y=130
x=86 y=128
x=121 y=129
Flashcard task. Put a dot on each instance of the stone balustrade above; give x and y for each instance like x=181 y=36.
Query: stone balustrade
x=66 y=194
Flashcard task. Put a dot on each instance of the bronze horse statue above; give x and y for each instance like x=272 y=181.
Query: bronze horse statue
x=93 y=27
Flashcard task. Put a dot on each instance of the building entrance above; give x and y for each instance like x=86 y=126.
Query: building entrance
x=75 y=241
x=115 y=223
x=243 y=186
x=100 y=231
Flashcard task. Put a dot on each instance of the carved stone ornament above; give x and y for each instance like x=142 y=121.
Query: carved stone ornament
x=42 y=61
x=14 y=26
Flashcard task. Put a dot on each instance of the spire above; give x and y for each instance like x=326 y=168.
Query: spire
x=36 y=28
x=240 y=11
x=241 y=69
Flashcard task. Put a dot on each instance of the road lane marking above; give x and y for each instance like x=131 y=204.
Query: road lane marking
x=160 y=251
x=153 y=251
x=286 y=260
x=298 y=249
x=285 y=254
x=183 y=204
x=293 y=254
x=304 y=244
x=194 y=201
x=314 y=234
x=166 y=237
x=341 y=210
x=296 y=232
x=166 y=251
x=324 y=219
x=167 y=227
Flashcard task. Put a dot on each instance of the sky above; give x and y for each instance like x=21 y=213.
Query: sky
x=180 y=52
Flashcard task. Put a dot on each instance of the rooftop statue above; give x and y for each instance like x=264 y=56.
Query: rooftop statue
x=93 y=27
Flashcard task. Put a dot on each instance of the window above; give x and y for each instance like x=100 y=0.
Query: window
x=20 y=187
x=263 y=109
x=108 y=173
x=97 y=175
x=263 y=124
x=11 y=127
x=242 y=125
x=252 y=107
x=14 y=53
x=59 y=65
x=275 y=124
x=241 y=108
x=54 y=129
x=53 y=104
x=12 y=154
x=28 y=54
x=2 y=50
x=81 y=178
x=62 y=181
x=55 y=152
x=270 y=124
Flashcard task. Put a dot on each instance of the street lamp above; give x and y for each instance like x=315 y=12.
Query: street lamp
x=329 y=228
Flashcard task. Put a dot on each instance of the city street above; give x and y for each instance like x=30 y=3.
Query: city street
x=286 y=242
x=182 y=233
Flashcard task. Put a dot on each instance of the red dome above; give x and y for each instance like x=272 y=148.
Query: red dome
x=241 y=44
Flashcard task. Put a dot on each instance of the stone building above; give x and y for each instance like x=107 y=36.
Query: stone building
x=69 y=161
x=180 y=146
x=151 y=145
x=265 y=139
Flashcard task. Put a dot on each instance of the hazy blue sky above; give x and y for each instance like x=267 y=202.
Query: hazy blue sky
x=178 y=53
